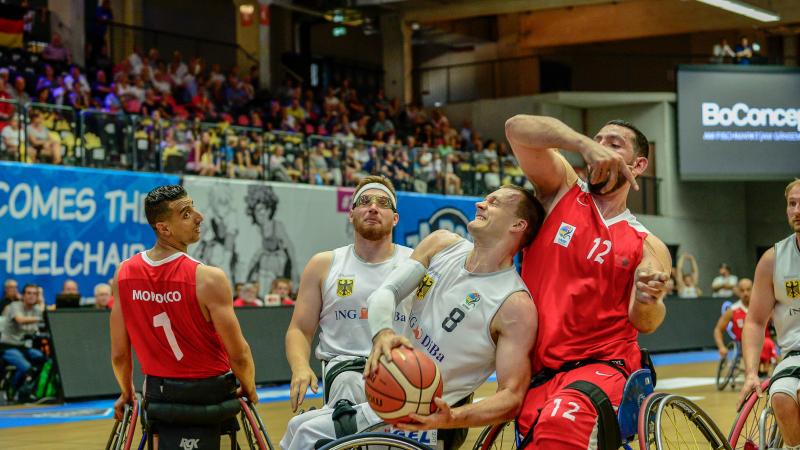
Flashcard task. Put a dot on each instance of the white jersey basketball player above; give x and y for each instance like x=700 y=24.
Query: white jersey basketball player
x=333 y=296
x=471 y=314
x=776 y=292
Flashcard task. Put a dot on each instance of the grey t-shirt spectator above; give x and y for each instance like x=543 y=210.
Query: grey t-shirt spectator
x=720 y=281
x=13 y=332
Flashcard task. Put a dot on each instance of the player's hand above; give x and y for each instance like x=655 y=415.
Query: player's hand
x=751 y=383
x=650 y=286
x=608 y=165
x=249 y=392
x=119 y=405
x=442 y=418
x=382 y=345
x=723 y=352
x=301 y=380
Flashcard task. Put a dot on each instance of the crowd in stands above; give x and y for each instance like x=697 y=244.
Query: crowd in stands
x=684 y=280
x=745 y=52
x=194 y=117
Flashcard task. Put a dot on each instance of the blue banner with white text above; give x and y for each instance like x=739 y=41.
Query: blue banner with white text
x=421 y=214
x=71 y=223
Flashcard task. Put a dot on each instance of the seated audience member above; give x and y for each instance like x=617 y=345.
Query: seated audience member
x=56 y=51
x=22 y=318
x=70 y=287
x=10 y=294
x=248 y=297
x=42 y=148
x=280 y=293
x=12 y=135
x=687 y=282
x=725 y=283
x=102 y=296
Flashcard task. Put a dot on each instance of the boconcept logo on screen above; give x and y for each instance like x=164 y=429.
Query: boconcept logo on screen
x=745 y=119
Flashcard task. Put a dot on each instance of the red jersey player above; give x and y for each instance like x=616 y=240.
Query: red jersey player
x=736 y=315
x=596 y=274
x=178 y=315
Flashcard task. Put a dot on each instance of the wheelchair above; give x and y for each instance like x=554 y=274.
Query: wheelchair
x=185 y=426
x=730 y=367
x=755 y=426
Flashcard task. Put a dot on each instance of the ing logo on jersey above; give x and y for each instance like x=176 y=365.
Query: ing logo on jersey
x=344 y=287
x=472 y=300
x=564 y=234
x=424 y=286
x=792 y=288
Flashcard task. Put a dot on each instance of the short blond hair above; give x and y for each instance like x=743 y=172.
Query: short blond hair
x=791 y=186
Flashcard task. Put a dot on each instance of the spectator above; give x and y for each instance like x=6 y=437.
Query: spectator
x=12 y=136
x=248 y=296
x=203 y=162
x=56 y=51
x=97 y=31
x=70 y=287
x=10 y=294
x=21 y=318
x=280 y=292
x=74 y=76
x=687 y=282
x=7 y=110
x=743 y=54
x=102 y=296
x=724 y=283
x=382 y=124
x=42 y=148
x=722 y=51
x=47 y=79
x=101 y=88
x=60 y=93
x=18 y=92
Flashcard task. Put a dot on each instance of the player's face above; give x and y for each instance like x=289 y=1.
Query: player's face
x=743 y=289
x=496 y=214
x=621 y=141
x=185 y=221
x=793 y=208
x=372 y=215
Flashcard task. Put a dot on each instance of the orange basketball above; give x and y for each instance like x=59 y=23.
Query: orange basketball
x=408 y=384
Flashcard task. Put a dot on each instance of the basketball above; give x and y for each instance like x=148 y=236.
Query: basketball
x=407 y=384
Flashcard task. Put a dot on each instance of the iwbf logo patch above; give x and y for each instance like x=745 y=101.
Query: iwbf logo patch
x=564 y=234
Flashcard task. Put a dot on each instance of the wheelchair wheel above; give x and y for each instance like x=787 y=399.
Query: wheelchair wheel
x=647 y=420
x=728 y=367
x=755 y=426
x=254 y=431
x=682 y=424
x=375 y=441
x=122 y=432
x=501 y=436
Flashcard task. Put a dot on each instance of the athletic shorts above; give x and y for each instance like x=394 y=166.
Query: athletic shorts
x=565 y=418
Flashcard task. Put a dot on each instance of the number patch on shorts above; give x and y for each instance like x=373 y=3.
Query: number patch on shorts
x=569 y=410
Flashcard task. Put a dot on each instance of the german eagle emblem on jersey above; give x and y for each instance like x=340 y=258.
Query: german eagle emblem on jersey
x=344 y=287
x=792 y=288
x=424 y=286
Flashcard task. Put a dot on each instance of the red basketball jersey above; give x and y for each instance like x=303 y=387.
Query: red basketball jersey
x=737 y=320
x=167 y=329
x=580 y=270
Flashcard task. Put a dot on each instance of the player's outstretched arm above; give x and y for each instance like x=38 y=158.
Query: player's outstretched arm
x=214 y=293
x=762 y=303
x=120 y=354
x=514 y=329
x=397 y=286
x=719 y=329
x=647 y=310
x=305 y=320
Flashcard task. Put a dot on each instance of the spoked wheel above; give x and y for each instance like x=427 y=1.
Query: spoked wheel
x=122 y=432
x=680 y=424
x=727 y=368
x=254 y=431
x=497 y=437
x=647 y=420
x=755 y=426
x=375 y=441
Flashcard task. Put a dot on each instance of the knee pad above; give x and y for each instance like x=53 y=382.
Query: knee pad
x=608 y=435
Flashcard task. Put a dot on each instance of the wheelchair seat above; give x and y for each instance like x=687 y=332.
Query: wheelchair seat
x=199 y=427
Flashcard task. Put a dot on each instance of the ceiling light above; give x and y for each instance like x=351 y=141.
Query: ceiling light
x=744 y=9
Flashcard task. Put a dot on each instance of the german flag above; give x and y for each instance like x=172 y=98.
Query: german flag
x=11 y=22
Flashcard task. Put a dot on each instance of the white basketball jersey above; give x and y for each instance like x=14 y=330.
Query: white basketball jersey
x=786 y=284
x=451 y=316
x=343 y=325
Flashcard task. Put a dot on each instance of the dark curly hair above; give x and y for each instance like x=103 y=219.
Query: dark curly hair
x=156 y=204
x=259 y=193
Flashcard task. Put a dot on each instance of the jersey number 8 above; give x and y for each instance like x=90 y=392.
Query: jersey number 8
x=451 y=321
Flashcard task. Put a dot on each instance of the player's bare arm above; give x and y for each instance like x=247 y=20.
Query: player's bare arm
x=647 y=310
x=762 y=302
x=719 y=329
x=305 y=320
x=121 y=359
x=399 y=285
x=215 y=295
x=514 y=331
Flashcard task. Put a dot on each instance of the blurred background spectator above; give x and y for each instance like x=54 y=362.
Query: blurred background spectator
x=724 y=283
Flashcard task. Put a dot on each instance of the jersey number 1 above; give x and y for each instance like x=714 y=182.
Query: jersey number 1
x=162 y=320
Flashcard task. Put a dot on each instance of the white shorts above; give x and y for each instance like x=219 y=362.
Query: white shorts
x=347 y=385
x=305 y=430
x=788 y=385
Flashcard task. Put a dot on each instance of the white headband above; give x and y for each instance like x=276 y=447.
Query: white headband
x=377 y=186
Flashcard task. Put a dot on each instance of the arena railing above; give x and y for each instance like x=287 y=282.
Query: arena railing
x=287 y=156
x=106 y=139
x=11 y=149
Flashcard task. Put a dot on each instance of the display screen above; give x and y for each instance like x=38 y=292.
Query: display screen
x=738 y=122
